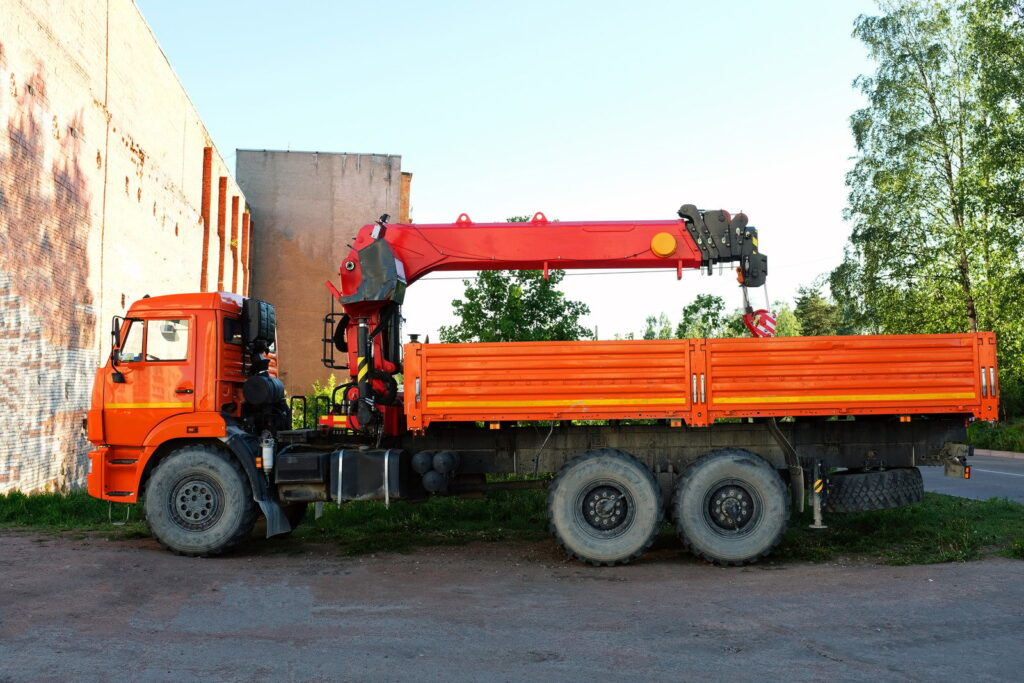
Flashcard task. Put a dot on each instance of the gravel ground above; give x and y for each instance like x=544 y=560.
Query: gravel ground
x=92 y=609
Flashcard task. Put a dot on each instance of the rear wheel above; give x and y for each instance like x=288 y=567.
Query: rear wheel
x=198 y=501
x=730 y=507
x=604 y=507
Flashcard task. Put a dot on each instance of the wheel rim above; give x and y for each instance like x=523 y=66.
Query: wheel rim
x=732 y=508
x=195 y=504
x=604 y=509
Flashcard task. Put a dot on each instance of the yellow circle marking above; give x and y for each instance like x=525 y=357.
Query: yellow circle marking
x=663 y=244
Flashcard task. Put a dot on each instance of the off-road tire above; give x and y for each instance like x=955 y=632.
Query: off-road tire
x=869 y=491
x=605 y=507
x=730 y=507
x=198 y=501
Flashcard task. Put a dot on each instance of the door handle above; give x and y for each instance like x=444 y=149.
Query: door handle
x=182 y=390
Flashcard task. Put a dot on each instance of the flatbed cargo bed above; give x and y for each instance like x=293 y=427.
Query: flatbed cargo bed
x=699 y=381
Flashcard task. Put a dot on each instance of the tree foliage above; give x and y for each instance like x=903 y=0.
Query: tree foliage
x=817 y=315
x=506 y=305
x=936 y=191
x=705 y=318
x=657 y=327
x=702 y=318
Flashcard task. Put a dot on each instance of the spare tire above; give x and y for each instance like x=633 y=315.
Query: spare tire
x=878 y=490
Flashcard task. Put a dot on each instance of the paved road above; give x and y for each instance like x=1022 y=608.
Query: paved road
x=91 y=609
x=991 y=477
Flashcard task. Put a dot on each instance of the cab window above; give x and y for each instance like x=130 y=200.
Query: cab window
x=131 y=346
x=233 y=331
x=166 y=340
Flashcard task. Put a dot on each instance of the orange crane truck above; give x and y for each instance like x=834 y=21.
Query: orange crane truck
x=726 y=436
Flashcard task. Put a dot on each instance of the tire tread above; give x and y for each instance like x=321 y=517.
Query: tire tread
x=871 y=491
x=688 y=544
x=249 y=513
x=591 y=455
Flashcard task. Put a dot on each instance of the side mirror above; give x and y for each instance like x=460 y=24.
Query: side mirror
x=115 y=340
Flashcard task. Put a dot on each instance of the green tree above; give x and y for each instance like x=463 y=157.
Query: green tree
x=659 y=327
x=504 y=305
x=787 y=323
x=936 y=190
x=915 y=230
x=817 y=315
x=702 y=318
x=995 y=36
x=733 y=327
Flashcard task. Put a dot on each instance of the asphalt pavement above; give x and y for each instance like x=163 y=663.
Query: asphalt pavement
x=991 y=477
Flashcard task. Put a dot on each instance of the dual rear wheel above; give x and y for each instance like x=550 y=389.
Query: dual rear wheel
x=730 y=507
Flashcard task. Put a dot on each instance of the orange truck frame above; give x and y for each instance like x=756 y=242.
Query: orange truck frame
x=726 y=436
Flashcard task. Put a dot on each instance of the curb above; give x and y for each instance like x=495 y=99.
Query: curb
x=999 y=454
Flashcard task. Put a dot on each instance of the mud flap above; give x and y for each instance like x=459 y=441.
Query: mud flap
x=245 y=447
x=277 y=523
x=954 y=459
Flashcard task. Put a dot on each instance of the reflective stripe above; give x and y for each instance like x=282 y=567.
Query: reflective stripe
x=186 y=404
x=568 y=403
x=844 y=397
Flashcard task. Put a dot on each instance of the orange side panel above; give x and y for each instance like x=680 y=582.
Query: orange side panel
x=702 y=380
x=859 y=375
x=547 y=380
x=94 y=480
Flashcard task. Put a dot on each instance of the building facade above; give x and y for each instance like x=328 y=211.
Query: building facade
x=110 y=189
x=309 y=207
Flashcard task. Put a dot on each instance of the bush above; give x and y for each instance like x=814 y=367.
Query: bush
x=998 y=437
x=315 y=404
x=1011 y=400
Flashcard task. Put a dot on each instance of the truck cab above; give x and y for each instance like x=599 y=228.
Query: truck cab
x=176 y=371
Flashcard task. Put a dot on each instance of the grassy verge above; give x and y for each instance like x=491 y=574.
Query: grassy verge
x=75 y=511
x=940 y=529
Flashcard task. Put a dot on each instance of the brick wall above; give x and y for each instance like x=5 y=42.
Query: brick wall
x=101 y=201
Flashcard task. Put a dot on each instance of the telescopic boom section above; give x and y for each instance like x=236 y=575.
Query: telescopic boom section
x=385 y=258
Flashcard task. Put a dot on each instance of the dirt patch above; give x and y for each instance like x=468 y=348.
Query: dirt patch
x=490 y=611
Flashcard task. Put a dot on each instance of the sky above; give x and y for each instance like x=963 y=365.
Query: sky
x=583 y=110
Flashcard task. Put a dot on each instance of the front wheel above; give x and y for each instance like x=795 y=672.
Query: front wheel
x=604 y=507
x=730 y=507
x=199 y=502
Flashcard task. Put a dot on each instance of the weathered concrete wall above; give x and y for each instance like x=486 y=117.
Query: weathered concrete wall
x=101 y=180
x=307 y=208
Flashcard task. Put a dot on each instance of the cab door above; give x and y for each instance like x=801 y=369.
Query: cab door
x=155 y=379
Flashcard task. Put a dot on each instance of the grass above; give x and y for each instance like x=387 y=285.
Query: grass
x=359 y=528
x=940 y=529
x=74 y=511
